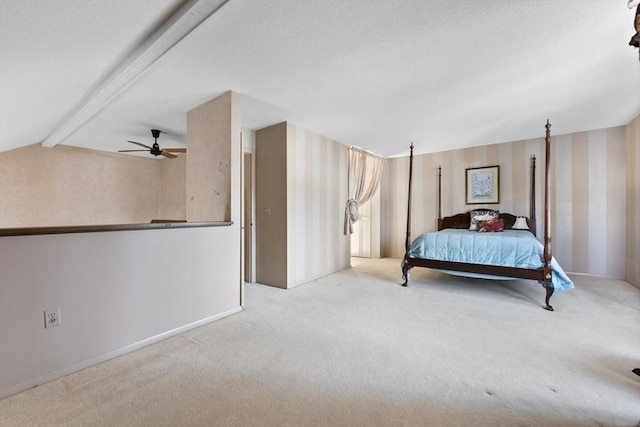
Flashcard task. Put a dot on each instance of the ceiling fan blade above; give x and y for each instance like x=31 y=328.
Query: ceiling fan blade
x=140 y=144
x=167 y=154
x=131 y=151
x=175 y=150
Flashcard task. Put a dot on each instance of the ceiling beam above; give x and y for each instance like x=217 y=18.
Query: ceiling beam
x=191 y=14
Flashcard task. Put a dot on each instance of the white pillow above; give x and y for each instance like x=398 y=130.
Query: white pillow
x=482 y=215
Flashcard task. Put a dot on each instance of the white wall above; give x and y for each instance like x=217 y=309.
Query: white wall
x=116 y=291
x=248 y=140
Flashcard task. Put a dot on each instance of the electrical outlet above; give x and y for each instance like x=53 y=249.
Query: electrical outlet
x=52 y=318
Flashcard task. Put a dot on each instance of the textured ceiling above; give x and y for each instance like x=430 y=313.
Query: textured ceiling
x=377 y=74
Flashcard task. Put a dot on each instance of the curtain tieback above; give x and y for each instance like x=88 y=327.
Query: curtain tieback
x=353 y=206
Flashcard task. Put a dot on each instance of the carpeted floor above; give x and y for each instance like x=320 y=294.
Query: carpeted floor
x=357 y=349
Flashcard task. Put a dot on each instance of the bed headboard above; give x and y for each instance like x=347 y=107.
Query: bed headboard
x=463 y=220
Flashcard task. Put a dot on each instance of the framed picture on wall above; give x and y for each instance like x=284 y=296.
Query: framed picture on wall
x=483 y=185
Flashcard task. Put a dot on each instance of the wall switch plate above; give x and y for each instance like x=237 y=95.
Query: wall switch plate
x=52 y=318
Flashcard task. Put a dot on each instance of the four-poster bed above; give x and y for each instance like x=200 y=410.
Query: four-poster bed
x=509 y=253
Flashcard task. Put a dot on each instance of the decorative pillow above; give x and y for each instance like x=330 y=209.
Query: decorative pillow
x=482 y=215
x=491 y=225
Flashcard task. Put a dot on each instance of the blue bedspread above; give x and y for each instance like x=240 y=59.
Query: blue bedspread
x=511 y=248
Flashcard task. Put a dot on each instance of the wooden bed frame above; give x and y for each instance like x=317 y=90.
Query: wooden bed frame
x=463 y=220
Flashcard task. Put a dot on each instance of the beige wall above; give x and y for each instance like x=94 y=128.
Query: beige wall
x=210 y=127
x=301 y=188
x=633 y=201
x=172 y=189
x=588 y=178
x=75 y=186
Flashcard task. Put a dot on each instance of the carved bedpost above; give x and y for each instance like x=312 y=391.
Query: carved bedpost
x=547 y=196
x=547 y=218
x=532 y=201
x=407 y=242
x=439 y=197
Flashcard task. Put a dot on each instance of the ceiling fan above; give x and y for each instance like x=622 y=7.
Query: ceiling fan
x=155 y=149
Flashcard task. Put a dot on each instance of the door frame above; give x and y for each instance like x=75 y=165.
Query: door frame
x=248 y=221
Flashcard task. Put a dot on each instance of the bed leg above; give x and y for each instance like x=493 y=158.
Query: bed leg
x=549 y=290
x=405 y=272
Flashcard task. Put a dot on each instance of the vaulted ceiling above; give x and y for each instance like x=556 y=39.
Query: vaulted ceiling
x=374 y=73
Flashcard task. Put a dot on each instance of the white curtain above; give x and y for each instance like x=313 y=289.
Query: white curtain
x=365 y=171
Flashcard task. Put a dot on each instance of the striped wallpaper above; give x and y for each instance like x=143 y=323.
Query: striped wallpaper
x=316 y=197
x=633 y=201
x=301 y=191
x=588 y=178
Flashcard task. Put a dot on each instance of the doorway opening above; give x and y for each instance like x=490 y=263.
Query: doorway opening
x=248 y=268
x=361 y=237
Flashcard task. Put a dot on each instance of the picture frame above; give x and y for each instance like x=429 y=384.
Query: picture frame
x=483 y=185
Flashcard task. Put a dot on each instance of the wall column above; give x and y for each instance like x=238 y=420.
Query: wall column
x=213 y=128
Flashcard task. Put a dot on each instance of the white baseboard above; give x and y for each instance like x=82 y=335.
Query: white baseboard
x=42 y=379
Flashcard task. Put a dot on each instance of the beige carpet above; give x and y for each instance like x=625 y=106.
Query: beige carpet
x=357 y=349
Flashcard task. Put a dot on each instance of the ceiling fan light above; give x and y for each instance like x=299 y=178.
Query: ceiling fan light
x=155 y=149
